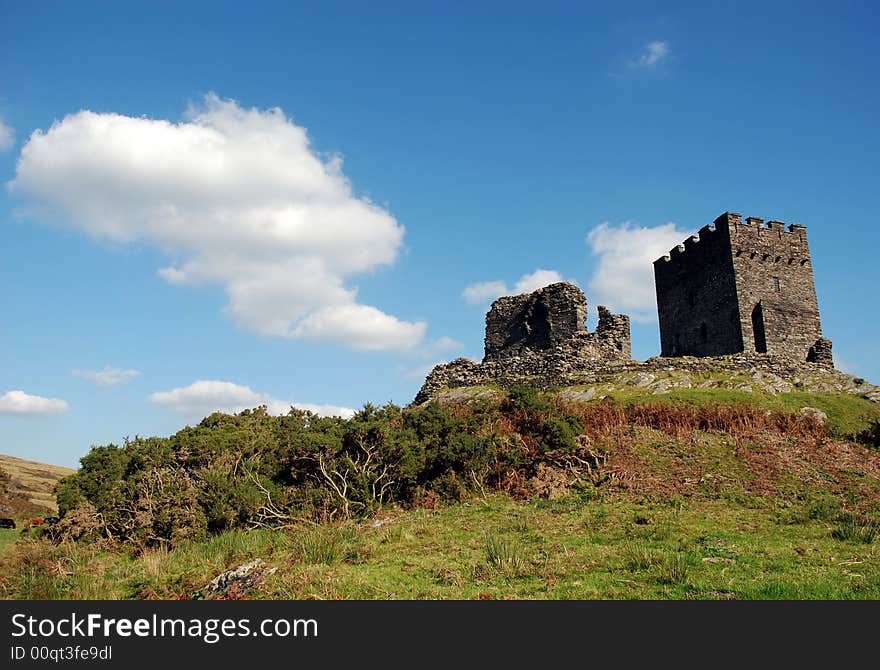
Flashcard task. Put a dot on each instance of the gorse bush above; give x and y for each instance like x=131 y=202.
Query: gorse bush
x=253 y=469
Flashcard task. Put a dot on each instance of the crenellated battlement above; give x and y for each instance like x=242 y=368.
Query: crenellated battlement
x=757 y=239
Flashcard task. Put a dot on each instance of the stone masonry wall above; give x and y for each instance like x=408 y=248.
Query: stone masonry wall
x=767 y=372
x=697 y=299
x=740 y=287
x=773 y=269
x=536 y=321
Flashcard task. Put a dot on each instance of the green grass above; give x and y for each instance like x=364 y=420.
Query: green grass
x=505 y=555
x=8 y=536
x=576 y=547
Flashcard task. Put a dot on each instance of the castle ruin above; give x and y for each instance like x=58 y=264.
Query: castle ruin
x=550 y=317
x=539 y=338
x=738 y=298
x=740 y=287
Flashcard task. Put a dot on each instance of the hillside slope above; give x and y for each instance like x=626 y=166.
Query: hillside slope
x=703 y=492
x=29 y=490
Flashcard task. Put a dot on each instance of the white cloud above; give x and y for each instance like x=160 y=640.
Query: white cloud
x=483 y=292
x=235 y=197
x=19 y=402
x=360 y=326
x=109 y=376
x=203 y=397
x=538 y=279
x=7 y=136
x=652 y=54
x=624 y=278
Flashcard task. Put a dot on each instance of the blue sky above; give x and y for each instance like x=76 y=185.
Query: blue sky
x=173 y=245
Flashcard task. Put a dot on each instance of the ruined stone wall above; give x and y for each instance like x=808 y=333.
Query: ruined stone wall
x=537 y=338
x=536 y=321
x=740 y=287
x=614 y=333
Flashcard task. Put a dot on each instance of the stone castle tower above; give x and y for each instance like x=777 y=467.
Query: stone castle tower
x=740 y=287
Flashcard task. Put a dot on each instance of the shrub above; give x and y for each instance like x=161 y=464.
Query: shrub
x=871 y=435
x=559 y=434
x=526 y=399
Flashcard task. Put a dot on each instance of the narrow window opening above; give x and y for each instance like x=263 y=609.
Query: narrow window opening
x=758 y=329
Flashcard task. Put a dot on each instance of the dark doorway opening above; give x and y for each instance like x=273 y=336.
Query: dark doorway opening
x=538 y=326
x=758 y=329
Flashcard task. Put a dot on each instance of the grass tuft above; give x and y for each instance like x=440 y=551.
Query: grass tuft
x=637 y=557
x=674 y=568
x=504 y=555
x=323 y=545
x=851 y=528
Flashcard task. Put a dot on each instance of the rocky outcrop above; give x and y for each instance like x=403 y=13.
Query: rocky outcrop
x=750 y=373
x=540 y=339
x=236 y=583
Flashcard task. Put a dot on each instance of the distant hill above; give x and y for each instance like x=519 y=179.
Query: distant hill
x=28 y=489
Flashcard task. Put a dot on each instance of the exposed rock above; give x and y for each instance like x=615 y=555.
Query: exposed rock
x=468 y=396
x=578 y=395
x=770 y=382
x=643 y=379
x=816 y=413
x=236 y=583
x=761 y=371
x=662 y=386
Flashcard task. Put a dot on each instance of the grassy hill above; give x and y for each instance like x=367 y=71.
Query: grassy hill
x=693 y=493
x=30 y=486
